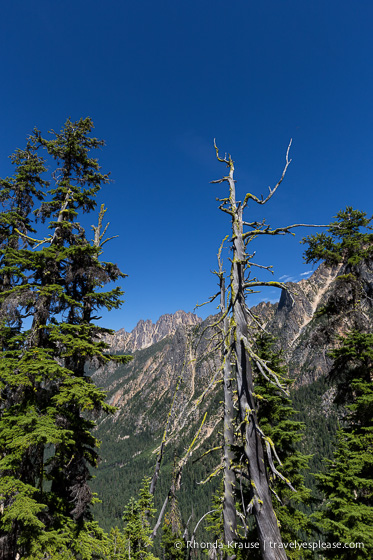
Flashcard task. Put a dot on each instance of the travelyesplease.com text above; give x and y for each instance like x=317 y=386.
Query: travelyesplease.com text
x=305 y=545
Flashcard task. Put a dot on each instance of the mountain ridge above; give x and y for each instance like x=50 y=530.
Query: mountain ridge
x=146 y=333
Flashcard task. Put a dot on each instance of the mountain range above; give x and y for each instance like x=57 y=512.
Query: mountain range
x=178 y=352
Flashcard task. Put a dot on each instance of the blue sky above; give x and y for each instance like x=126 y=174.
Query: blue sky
x=160 y=81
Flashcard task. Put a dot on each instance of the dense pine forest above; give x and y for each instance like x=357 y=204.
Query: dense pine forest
x=237 y=446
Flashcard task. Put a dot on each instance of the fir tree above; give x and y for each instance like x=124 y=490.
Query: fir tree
x=17 y=198
x=347 y=514
x=134 y=541
x=345 y=242
x=46 y=443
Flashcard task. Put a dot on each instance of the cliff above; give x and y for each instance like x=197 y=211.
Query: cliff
x=314 y=312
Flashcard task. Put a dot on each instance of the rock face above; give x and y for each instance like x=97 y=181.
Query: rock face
x=312 y=313
x=147 y=333
x=154 y=372
x=298 y=305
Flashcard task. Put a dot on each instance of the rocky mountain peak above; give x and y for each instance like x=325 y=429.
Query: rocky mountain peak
x=299 y=303
x=147 y=333
x=313 y=312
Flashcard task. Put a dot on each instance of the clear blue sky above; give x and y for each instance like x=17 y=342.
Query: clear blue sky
x=160 y=81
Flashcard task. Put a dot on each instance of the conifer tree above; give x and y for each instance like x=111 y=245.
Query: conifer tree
x=46 y=444
x=348 y=240
x=347 y=513
x=134 y=541
x=172 y=541
x=18 y=195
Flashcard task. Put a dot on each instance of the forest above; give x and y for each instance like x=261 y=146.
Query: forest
x=265 y=496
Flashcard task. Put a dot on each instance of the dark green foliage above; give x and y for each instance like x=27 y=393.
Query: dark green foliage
x=172 y=542
x=352 y=372
x=137 y=528
x=319 y=416
x=345 y=242
x=46 y=444
x=133 y=542
x=276 y=417
x=347 y=513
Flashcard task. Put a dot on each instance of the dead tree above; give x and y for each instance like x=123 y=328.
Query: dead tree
x=229 y=507
x=241 y=356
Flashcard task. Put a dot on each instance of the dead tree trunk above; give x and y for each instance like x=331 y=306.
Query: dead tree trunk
x=229 y=506
x=268 y=529
x=261 y=503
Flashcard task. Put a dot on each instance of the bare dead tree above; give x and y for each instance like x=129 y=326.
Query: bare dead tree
x=229 y=506
x=241 y=355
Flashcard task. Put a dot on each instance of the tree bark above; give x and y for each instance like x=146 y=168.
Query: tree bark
x=229 y=506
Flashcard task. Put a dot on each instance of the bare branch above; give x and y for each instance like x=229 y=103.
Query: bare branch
x=184 y=460
x=213 y=325
x=160 y=516
x=219 y=180
x=255 y=319
x=276 y=496
x=209 y=387
x=226 y=210
x=271 y=284
x=269 y=268
x=210 y=300
x=177 y=480
x=279 y=231
x=228 y=161
x=196 y=527
x=32 y=240
x=163 y=443
x=273 y=468
x=97 y=242
x=213 y=474
x=208 y=452
x=271 y=191
x=109 y=239
x=262 y=365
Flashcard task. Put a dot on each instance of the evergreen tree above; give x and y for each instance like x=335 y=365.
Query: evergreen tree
x=172 y=541
x=345 y=241
x=17 y=198
x=134 y=541
x=46 y=444
x=347 y=514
